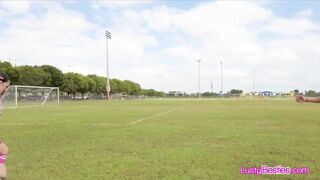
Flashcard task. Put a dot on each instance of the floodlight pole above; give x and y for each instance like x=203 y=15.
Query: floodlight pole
x=221 y=79
x=108 y=36
x=199 y=95
x=254 y=82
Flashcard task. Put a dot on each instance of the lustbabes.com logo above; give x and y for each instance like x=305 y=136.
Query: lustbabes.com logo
x=264 y=169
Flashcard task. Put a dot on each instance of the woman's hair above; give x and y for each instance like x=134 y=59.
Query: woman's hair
x=4 y=77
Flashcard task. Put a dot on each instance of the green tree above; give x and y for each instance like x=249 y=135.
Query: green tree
x=56 y=76
x=82 y=83
x=92 y=85
x=68 y=85
x=148 y=92
x=311 y=93
x=132 y=88
x=117 y=86
x=100 y=84
x=236 y=92
x=71 y=83
x=12 y=72
x=33 y=76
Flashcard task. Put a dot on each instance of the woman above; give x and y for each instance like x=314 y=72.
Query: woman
x=4 y=150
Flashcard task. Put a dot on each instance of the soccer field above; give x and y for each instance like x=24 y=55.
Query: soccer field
x=161 y=139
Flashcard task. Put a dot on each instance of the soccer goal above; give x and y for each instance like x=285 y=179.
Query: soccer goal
x=30 y=96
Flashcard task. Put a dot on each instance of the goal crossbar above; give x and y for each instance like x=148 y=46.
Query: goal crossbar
x=30 y=96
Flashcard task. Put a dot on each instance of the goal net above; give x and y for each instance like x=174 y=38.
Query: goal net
x=30 y=96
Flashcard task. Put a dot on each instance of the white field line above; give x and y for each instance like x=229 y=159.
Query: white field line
x=223 y=99
x=55 y=124
x=152 y=116
x=35 y=106
x=23 y=124
x=87 y=124
x=99 y=124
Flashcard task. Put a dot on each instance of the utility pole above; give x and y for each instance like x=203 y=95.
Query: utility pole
x=254 y=82
x=199 y=94
x=108 y=36
x=221 y=92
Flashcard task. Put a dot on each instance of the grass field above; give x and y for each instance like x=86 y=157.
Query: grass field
x=161 y=139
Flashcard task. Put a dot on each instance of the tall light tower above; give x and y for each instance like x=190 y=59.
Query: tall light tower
x=254 y=81
x=108 y=36
x=199 y=94
x=221 y=79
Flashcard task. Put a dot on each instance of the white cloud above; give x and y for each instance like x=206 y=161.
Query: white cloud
x=158 y=45
x=305 y=13
x=15 y=7
x=292 y=27
x=54 y=38
x=115 y=5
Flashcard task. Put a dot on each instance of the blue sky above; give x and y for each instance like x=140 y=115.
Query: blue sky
x=156 y=43
x=290 y=8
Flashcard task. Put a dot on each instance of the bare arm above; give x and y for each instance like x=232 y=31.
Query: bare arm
x=301 y=98
x=314 y=99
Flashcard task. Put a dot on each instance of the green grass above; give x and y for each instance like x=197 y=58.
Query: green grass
x=175 y=139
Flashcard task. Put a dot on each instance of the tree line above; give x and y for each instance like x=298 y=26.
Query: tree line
x=72 y=83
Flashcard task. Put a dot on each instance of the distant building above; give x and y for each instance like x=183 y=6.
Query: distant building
x=177 y=93
x=267 y=93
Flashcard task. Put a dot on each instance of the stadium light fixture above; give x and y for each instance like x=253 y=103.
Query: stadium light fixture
x=108 y=36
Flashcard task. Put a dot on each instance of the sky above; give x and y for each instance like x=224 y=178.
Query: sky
x=157 y=43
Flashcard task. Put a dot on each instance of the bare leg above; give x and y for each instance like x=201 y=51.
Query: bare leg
x=3 y=172
x=4 y=151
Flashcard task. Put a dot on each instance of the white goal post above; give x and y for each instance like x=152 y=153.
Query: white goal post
x=30 y=96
